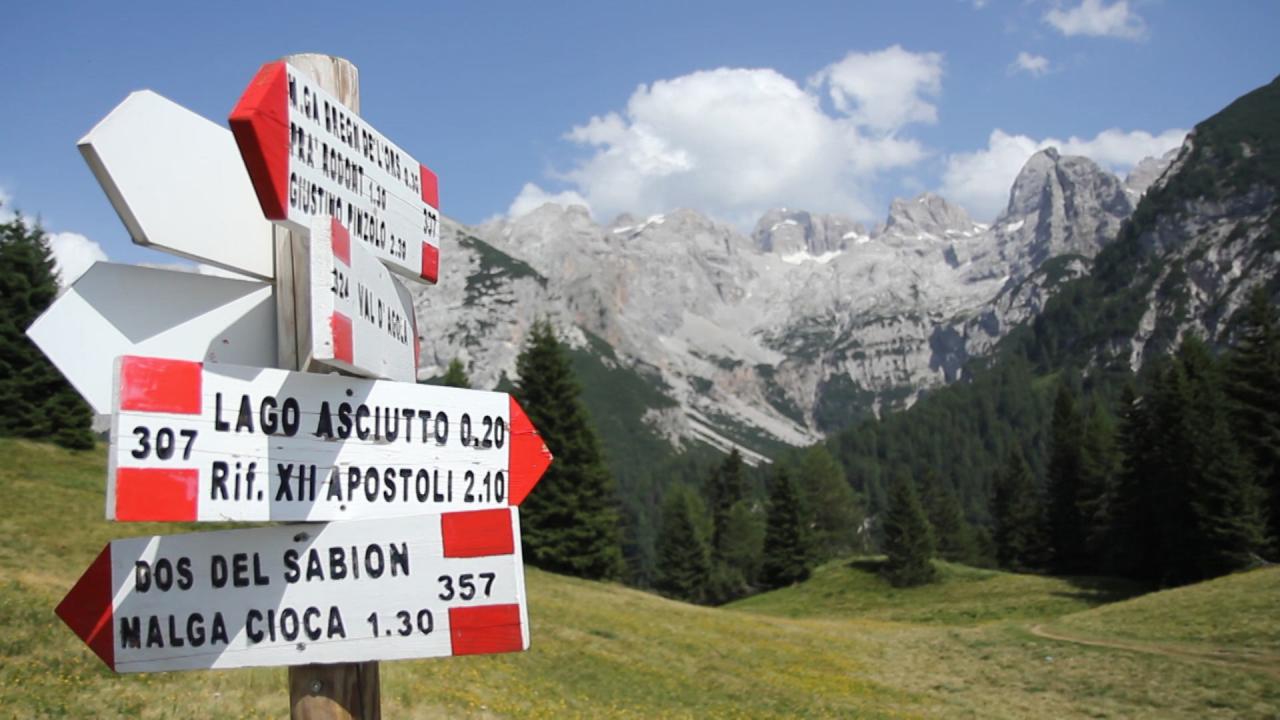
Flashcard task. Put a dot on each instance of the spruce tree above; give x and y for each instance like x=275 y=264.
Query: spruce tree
x=1099 y=471
x=1225 y=501
x=787 y=545
x=456 y=375
x=725 y=487
x=1016 y=515
x=38 y=402
x=1066 y=527
x=834 y=508
x=569 y=522
x=684 y=558
x=952 y=533
x=908 y=539
x=1253 y=387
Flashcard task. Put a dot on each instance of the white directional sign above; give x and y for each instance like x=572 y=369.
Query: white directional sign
x=115 y=310
x=426 y=586
x=192 y=441
x=178 y=183
x=309 y=155
x=362 y=320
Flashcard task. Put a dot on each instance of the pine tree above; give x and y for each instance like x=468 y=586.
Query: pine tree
x=1253 y=386
x=684 y=558
x=1099 y=471
x=952 y=533
x=456 y=375
x=570 y=520
x=908 y=539
x=1015 y=512
x=834 y=508
x=725 y=488
x=1225 y=501
x=38 y=403
x=1066 y=527
x=787 y=546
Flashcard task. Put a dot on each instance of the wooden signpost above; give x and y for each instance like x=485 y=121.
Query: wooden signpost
x=310 y=155
x=424 y=481
x=217 y=442
x=361 y=319
x=415 y=587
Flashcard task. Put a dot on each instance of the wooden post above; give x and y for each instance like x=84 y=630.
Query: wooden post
x=345 y=691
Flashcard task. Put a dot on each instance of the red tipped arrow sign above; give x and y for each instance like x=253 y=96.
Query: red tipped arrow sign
x=309 y=155
x=212 y=442
x=414 y=587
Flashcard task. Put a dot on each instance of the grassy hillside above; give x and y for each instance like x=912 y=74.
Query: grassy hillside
x=963 y=596
x=1240 y=610
x=601 y=650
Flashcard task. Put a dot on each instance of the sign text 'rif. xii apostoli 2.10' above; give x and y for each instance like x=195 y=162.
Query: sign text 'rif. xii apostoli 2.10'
x=210 y=442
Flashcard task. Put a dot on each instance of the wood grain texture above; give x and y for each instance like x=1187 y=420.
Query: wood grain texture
x=346 y=691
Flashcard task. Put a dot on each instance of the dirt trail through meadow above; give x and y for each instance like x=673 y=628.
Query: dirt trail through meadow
x=1265 y=663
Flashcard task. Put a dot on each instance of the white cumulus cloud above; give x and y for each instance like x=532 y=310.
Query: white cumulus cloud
x=884 y=90
x=73 y=254
x=1097 y=19
x=734 y=142
x=980 y=180
x=532 y=197
x=1034 y=65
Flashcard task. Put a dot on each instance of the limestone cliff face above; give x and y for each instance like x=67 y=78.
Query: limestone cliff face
x=808 y=323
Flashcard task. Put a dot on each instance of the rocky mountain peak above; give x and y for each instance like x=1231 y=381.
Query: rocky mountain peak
x=1060 y=204
x=927 y=215
x=790 y=232
x=1147 y=172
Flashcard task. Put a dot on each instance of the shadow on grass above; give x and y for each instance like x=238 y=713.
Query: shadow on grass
x=1101 y=590
x=872 y=565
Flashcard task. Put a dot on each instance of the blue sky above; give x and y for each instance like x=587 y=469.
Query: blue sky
x=726 y=107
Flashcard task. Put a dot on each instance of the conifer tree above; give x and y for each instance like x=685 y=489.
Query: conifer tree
x=1134 y=537
x=1253 y=387
x=1099 y=472
x=787 y=551
x=684 y=558
x=1015 y=512
x=954 y=536
x=569 y=522
x=37 y=401
x=908 y=539
x=834 y=508
x=1224 y=499
x=1066 y=528
x=725 y=487
x=456 y=375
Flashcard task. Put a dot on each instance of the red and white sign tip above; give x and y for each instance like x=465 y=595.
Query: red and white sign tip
x=302 y=165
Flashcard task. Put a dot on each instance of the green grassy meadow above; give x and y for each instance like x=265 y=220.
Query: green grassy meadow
x=978 y=644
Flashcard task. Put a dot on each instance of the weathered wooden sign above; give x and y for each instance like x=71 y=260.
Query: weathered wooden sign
x=415 y=587
x=178 y=183
x=362 y=320
x=115 y=310
x=214 y=442
x=309 y=155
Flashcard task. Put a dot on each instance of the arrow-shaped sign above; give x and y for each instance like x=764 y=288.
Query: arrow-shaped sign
x=115 y=310
x=310 y=156
x=414 y=587
x=208 y=442
x=362 y=320
x=178 y=183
